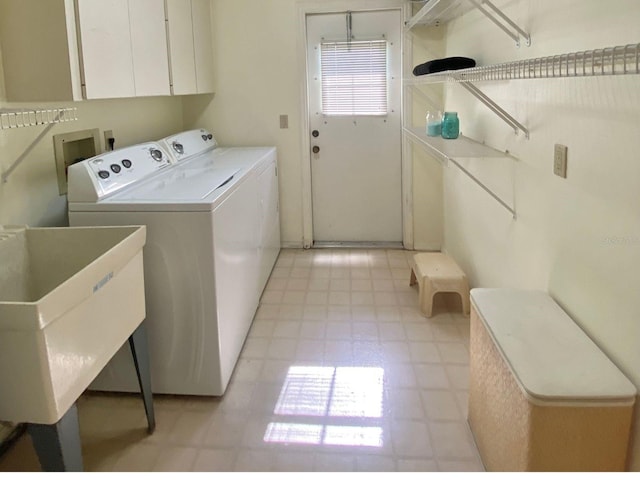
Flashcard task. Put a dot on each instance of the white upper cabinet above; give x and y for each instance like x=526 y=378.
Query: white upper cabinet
x=123 y=48
x=190 y=46
x=74 y=49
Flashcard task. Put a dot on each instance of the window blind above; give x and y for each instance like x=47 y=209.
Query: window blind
x=354 y=77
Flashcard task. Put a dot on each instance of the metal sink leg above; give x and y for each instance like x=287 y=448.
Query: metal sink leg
x=140 y=351
x=58 y=445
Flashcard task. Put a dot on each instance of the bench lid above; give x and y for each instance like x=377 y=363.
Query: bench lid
x=549 y=354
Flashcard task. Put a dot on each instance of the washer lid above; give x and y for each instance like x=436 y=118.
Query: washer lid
x=551 y=357
x=180 y=186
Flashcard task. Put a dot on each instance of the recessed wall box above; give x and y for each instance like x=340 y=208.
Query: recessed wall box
x=73 y=147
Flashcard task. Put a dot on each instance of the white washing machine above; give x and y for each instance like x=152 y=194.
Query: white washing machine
x=210 y=215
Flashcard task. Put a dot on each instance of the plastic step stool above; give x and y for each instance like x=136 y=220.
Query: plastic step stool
x=437 y=272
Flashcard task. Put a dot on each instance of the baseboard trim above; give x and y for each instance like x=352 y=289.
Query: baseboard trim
x=298 y=245
x=360 y=245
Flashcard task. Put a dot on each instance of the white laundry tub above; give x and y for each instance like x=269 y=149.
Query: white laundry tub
x=69 y=299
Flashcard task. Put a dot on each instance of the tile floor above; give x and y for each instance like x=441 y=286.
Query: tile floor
x=340 y=372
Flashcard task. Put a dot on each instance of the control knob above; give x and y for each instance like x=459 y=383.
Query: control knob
x=103 y=174
x=178 y=147
x=156 y=154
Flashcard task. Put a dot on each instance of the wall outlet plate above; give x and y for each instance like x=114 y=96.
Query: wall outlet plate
x=560 y=160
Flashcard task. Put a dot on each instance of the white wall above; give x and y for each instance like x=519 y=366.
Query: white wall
x=578 y=238
x=425 y=44
x=30 y=196
x=257 y=80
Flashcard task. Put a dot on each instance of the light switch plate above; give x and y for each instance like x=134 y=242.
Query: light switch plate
x=284 y=121
x=560 y=160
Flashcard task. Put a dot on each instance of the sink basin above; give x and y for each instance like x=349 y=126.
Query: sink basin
x=69 y=299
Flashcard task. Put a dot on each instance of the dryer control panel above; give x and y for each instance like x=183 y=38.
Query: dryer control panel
x=184 y=145
x=103 y=175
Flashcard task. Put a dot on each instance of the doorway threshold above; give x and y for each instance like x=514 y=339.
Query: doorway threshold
x=360 y=245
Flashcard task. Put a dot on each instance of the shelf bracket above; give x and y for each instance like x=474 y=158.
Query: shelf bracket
x=28 y=118
x=503 y=22
x=444 y=160
x=495 y=108
x=484 y=187
x=5 y=175
x=440 y=157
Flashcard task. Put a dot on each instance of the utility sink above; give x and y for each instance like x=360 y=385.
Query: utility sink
x=69 y=298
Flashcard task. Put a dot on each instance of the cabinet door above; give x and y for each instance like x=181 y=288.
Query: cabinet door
x=149 y=47
x=203 y=45
x=105 y=43
x=181 y=49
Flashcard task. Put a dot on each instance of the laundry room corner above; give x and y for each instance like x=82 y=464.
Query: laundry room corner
x=426 y=43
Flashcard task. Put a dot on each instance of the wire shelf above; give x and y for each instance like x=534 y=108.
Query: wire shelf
x=620 y=60
x=19 y=118
x=439 y=12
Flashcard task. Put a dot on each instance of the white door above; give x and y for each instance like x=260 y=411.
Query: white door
x=355 y=126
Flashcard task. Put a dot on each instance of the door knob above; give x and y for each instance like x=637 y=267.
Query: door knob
x=315 y=149
x=315 y=133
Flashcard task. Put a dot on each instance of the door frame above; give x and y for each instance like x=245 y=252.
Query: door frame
x=310 y=7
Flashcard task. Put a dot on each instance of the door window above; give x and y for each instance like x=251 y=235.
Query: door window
x=354 y=77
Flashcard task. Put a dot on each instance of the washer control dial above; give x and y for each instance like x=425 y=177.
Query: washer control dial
x=178 y=147
x=156 y=154
x=115 y=168
x=103 y=174
x=126 y=163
